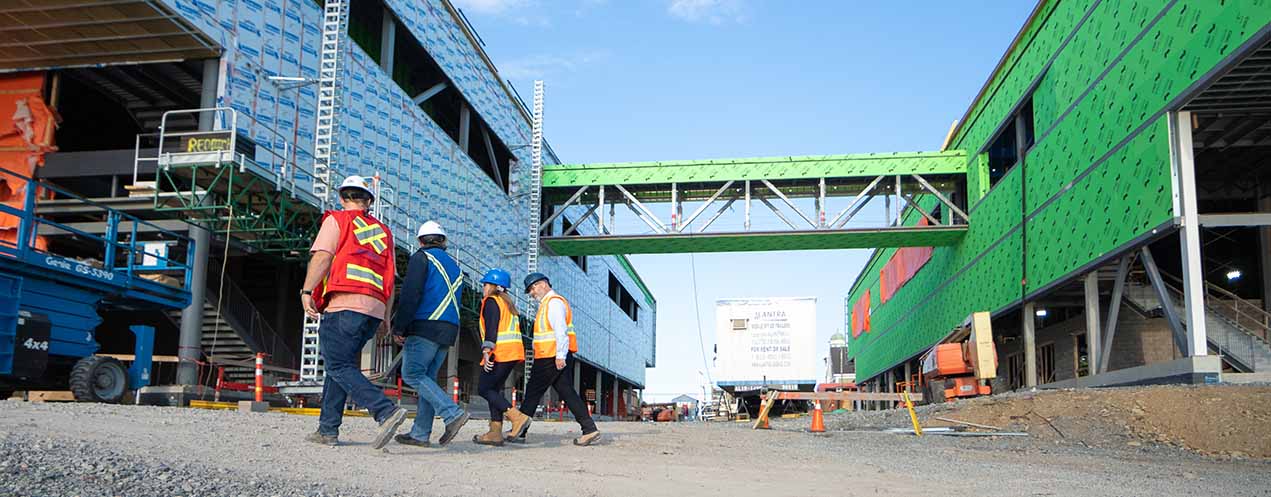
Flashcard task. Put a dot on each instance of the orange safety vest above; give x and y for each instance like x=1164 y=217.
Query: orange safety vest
x=507 y=344
x=545 y=336
x=363 y=260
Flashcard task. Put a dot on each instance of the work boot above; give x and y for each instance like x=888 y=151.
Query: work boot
x=388 y=428
x=520 y=423
x=493 y=437
x=406 y=439
x=319 y=438
x=510 y=437
x=452 y=429
x=587 y=439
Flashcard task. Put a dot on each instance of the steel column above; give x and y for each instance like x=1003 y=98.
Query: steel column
x=747 y=205
x=465 y=126
x=1189 y=235
x=190 y=341
x=1028 y=324
x=1092 y=322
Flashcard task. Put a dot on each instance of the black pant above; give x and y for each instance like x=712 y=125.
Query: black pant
x=490 y=387
x=543 y=374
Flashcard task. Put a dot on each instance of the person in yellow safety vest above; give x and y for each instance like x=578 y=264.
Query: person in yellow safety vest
x=555 y=346
x=502 y=352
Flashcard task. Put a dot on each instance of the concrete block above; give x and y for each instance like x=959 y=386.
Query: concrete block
x=252 y=406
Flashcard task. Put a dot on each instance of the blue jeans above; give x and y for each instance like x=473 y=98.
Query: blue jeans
x=341 y=336
x=421 y=361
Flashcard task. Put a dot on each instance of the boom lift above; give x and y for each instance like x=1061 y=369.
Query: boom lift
x=963 y=365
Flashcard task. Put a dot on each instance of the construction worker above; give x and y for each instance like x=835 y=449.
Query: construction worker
x=428 y=325
x=502 y=352
x=555 y=347
x=350 y=282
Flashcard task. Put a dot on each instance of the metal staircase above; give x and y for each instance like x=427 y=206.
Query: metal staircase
x=236 y=330
x=1237 y=329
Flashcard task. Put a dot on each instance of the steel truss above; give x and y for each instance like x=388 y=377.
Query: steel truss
x=915 y=194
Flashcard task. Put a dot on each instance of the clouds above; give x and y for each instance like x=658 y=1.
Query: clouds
x=709 y=11
x=540 y=66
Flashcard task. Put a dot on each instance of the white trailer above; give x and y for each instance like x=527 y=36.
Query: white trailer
x=765 y=343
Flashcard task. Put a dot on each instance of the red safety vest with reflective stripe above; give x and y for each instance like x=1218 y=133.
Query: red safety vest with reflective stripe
x=545 y=336
x=507 y=344
x=363 y=260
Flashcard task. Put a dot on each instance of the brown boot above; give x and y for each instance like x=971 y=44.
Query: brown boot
x=519 y=421
x=493 y=437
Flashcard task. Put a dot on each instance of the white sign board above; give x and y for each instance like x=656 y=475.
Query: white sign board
x=770 y=341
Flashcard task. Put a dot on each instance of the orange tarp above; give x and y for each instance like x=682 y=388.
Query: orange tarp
x=26 y=134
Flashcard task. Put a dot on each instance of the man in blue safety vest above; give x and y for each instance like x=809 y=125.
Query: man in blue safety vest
x=427 y=323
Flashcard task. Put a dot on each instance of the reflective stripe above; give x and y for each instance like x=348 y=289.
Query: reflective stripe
x=370 y=234
x=449 y=300
x=364 y=274
x=545 y=336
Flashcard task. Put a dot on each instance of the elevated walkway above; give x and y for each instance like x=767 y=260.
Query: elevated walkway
x=931 y=183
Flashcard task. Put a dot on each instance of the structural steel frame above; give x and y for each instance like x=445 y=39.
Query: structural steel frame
x=914 y=180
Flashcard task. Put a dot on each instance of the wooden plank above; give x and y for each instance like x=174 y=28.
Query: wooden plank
x=763 y=410
x=131 y=357
x=50 y=396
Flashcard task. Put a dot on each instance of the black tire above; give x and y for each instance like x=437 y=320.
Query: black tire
x=99 y=379
x=5 y=394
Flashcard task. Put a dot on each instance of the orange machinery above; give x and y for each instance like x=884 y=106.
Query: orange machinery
x=962 y=366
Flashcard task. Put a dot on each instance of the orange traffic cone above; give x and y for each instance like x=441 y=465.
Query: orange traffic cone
x=818 y=421
x=763 y=423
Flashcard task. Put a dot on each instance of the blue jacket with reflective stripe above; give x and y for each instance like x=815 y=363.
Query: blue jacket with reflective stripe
x=437 y=287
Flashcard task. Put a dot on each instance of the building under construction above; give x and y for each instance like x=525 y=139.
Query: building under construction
x=297 y=95
x=1118 y=201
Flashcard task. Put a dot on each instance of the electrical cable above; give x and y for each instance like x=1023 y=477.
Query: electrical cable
x=697 y=312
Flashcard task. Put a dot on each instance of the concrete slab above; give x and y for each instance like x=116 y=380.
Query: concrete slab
x=252 y=406
x=1188 y=370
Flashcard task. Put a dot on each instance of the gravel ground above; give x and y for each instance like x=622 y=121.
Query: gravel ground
x=91 y=450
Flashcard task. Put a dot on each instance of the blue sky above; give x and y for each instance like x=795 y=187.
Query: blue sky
x=695 y=79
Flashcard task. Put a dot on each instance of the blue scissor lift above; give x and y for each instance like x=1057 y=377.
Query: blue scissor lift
x=55 y=278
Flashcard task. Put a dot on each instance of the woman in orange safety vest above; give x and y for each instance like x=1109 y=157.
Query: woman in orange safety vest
x=502 y=352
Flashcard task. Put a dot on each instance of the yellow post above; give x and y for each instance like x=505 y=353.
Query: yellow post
x=913 y=417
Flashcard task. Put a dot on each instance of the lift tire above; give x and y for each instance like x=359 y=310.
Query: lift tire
x=99 y=379
x=5 y=394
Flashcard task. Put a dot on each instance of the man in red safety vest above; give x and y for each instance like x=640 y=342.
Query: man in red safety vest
x=350 y=282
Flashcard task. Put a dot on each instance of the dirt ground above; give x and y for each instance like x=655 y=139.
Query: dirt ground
x=1227 y=421
x=87 y=449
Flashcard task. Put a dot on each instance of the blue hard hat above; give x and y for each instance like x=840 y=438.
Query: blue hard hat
x=534 y=278
x=497 y=277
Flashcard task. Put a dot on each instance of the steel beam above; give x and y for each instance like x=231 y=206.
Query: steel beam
x=573 y=198
x=769 y=168
x=693 y=217
x=856 y=204
x=721 y=211
x=788 y=203
x=1235 y=220
x=429 y=93
x=1114 y=308
x=388 y=38
x=780 y=216
x=927 y=186
x=641 y=211
x=1167 y=302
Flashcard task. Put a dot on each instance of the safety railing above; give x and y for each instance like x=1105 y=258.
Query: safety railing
x=237 y=309
x=131 y=253
x=1244 y=347
x=1247 y=316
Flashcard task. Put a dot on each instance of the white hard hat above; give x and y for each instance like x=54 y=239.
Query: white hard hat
x=357 y=182
x=430 y=228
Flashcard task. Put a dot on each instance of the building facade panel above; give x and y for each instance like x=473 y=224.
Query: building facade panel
x=1099 y=174
x=426 y=174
